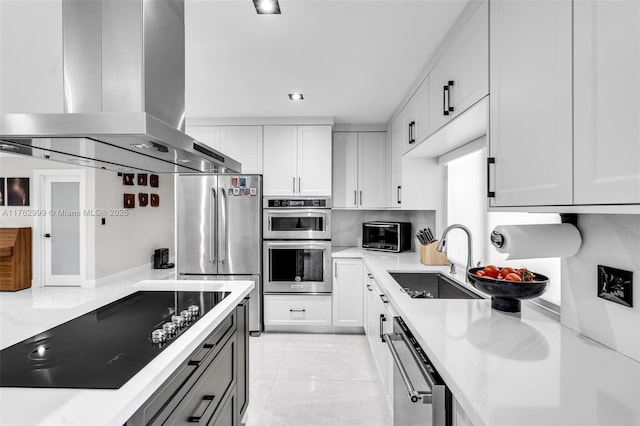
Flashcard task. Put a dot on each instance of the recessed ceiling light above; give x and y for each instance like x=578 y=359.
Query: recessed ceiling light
x=296 y=96
x=267 y=7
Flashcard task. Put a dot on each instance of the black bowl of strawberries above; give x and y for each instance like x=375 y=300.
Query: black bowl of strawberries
x=507 y=286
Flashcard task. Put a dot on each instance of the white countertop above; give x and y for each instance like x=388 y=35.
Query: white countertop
x=510 y=369
x=26 y=313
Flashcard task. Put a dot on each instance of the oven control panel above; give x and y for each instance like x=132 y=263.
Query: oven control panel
x=296 y=203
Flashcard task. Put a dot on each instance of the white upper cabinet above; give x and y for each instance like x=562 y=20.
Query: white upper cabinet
x=345 y=170
x=297 y=161
x=530 y=131
x=416 y=118
x=395 y=163
x=461 y=76
x=208 y=135
x=359 y=169
x=372 y=169
x=314 y=161
x=244 y=144
x=607 y=102
x=280 y=160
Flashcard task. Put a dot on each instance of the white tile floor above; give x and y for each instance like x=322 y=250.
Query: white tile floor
x=314 y=379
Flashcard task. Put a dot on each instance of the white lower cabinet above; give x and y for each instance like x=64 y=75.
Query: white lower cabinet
x=379 y=320
x=287 y=309
x=347 y=293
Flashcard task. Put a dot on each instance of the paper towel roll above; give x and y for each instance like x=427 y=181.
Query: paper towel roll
x=536 y=241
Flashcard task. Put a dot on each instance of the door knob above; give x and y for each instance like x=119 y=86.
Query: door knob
x=47 y=235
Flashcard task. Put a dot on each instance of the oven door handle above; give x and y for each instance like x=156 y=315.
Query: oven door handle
x=298 y=245
x=414 y=395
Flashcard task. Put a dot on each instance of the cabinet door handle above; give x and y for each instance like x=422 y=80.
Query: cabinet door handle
x=299 y=185
x=398 y=194
x=293 y=184
x=360 y=197
x=449 y=86
x=355 y=197
x=445 y=91
x=382 y=320
x=384 y=299
x=490 y=161
x=369 y=287
x=412 y=136
x=297 y=310
x=202 y=408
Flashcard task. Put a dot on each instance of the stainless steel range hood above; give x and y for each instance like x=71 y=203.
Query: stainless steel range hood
x=120 y=104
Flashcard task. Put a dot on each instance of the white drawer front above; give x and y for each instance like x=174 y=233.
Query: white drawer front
x=294 y=309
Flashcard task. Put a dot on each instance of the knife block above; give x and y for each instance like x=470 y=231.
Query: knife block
x=430 y=256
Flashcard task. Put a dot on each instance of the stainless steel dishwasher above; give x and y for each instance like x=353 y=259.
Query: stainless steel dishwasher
x=420 y=396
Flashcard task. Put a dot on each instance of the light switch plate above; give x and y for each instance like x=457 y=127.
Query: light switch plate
x=615 y=285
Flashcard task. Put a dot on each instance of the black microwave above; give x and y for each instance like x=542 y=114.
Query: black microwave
x=386 y=236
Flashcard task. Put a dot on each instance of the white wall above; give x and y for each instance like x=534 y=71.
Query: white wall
x=611 y=240
x=346 y=228
x=19 y=166
x=126 y=242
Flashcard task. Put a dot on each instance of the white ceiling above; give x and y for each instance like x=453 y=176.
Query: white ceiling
x=353 y=59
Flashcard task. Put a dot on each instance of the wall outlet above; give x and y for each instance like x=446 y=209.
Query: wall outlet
x=615 y=285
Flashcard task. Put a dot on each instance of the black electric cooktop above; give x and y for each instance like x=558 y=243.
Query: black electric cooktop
x=104 y=348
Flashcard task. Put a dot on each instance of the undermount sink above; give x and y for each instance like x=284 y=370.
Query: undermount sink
x=431 y=285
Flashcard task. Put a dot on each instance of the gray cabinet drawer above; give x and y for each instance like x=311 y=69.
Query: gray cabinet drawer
x=206 y=396
x=165 y=400
x=227 y=413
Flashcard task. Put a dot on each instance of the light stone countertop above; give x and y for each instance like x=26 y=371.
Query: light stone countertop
x=26 y=313
x=511 y=369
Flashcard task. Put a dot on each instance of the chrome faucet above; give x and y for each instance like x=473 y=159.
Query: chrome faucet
x=443 y=242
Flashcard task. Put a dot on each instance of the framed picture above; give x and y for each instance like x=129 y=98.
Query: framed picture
x=17 y=191
x=155 y=200
x=127 y=178
x=129 y=201
x=2 y=193
x=154 y=181
x=143 y=199
x=142 y=179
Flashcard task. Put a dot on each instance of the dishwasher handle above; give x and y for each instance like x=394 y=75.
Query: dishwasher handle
x=414 y=395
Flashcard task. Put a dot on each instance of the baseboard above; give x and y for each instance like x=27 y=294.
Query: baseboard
x=312 y=329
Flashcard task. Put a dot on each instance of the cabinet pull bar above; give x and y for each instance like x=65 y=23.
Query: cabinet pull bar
x=384 y=299
x=450 y=108
x=382 y=320
x=299 y=185
x=360 y=197
x=445 y=110
x=293 y=184
x=297 y=310
x=355 y=197
x=490 y=161
x=202 y=408
x=398 y=194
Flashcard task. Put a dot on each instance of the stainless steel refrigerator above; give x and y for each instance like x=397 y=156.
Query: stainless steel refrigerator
x=219 y=232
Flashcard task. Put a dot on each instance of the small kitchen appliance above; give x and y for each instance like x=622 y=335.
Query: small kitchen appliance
x=386 y=236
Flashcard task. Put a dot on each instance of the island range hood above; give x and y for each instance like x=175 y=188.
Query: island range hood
x=120 y=104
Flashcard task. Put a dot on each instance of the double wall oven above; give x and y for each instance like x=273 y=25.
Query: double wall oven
x=297 y=245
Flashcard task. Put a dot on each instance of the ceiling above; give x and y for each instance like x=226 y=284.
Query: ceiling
x=354 y=60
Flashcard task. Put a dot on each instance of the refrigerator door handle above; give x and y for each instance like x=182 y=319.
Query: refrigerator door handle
x=213 y=226
x=224 y=227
